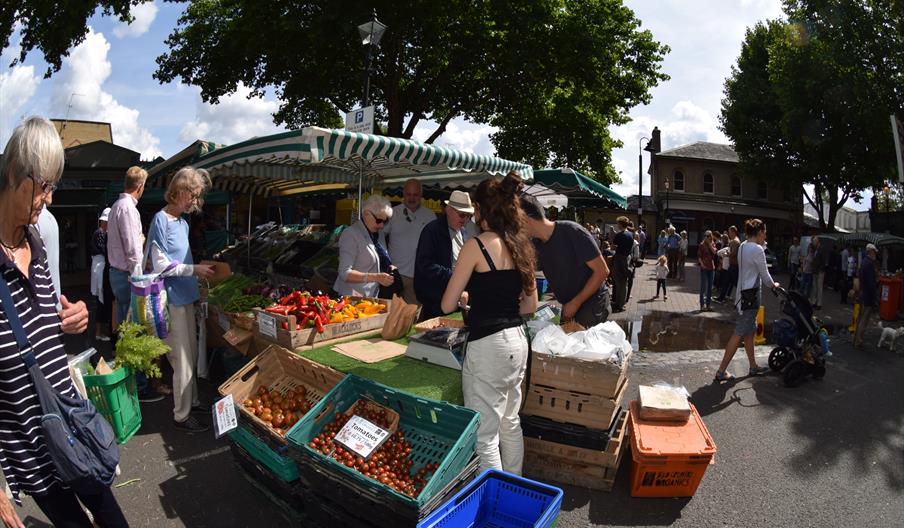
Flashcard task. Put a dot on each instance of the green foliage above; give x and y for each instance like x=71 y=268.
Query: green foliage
x=552 y=75
x=55 y=27
x=809 y=99
x=137 y=350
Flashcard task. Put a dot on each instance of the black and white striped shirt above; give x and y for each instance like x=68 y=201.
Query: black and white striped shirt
x=23 y=455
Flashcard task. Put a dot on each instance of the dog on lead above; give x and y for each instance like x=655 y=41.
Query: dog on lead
x=889 y=335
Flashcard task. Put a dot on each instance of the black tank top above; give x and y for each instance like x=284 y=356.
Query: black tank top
x=494 y=297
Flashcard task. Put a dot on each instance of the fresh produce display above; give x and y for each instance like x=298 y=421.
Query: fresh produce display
x=390 y=465
x=320 y=310
x=245 y=303
x=230 y=288
x=279 y=411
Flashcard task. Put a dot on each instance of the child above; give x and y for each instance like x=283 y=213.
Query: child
x=662 y=271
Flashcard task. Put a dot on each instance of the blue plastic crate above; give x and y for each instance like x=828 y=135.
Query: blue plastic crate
x=499 y=500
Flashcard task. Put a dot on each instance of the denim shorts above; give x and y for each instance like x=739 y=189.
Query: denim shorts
x=746 y=323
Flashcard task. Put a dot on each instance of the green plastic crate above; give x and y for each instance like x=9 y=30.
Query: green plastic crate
x=283 y=467
x=439 y=432
x=116 y=397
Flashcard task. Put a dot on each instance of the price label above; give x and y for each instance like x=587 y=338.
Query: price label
x=223 y=319
x=224 y=418
x=267 y=325
x=361 y=436
x=546 y=313
x=236 y=336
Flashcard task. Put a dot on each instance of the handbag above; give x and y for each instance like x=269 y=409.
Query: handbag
x=79 y=440
x=750 y=298
x=149 y=306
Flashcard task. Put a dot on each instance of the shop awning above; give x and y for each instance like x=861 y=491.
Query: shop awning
x=338 y=156
x=266 y=187
x=158 y=175
x=877 y=239
x=575 y=185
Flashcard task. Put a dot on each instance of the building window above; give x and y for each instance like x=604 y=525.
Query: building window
x=708 y=183
x=678 y=181
x=762 y=191
x=736 y=186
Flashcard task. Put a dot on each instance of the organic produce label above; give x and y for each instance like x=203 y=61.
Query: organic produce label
x=267 y=325
x=224 y=419
x=361 y=436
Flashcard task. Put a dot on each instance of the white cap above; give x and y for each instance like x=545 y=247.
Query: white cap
x=104 y=215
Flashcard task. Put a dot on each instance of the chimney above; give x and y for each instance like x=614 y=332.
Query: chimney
x=655 y=144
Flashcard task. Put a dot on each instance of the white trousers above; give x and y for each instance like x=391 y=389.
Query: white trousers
x=818 y=281
x=491 y=382
x=183 y=340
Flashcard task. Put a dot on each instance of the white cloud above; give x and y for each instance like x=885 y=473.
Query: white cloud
x=144 y=16
x=17 y=85
x=236 y=118
x=460 y=134
x=80 y=83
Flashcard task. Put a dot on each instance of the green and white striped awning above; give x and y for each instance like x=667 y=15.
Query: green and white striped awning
x=159 y=174
x=267 y=187
x=338 y=156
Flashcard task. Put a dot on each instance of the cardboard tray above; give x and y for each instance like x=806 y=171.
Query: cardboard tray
x=568 y=374
x=437 y=322
x=279 y=369
x=293 y=339
x=580 y=408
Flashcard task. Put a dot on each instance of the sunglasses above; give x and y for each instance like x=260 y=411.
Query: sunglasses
x=407 y=217
x=378 y=220
x=46 y=187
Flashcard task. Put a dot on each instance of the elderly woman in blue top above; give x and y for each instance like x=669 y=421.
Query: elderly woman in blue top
x=168 y=244
x=364 y=265
x=29 y=173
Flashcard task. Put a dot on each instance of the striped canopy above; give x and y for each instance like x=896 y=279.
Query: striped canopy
x=268 y=187
x=337 y=156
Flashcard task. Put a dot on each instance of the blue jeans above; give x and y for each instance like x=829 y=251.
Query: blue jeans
x=706 y=286
x=806 y=284
x=122 y=291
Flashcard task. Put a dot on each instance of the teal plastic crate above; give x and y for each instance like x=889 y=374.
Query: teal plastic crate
x=283 y=467
x=439 y=432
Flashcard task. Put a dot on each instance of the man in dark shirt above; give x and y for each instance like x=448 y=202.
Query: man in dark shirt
x=624 y=241
x=571 y=261
x=868 y=294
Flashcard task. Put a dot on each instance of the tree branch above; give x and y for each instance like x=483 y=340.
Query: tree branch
x=412 y=123
x=442 y=126
x=342 y=108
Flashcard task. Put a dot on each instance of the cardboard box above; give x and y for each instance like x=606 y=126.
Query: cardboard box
x=269 y=326
x=557 y=463
x=593 y=377
x=574 y=407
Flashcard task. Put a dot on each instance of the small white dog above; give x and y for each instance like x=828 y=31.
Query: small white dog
x=889 y=335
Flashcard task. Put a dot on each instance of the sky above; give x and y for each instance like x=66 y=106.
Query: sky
x=108 y=77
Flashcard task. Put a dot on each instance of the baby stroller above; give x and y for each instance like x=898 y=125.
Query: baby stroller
x=803 y=342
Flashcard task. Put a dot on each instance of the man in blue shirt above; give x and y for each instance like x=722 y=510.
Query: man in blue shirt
x=673 y=244
x=868 y=294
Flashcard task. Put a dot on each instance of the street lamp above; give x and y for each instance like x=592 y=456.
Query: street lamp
x=371 y=33
x=667 y=184
x=640 y=181
x=885 y=190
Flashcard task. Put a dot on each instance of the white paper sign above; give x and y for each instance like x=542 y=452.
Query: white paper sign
x=223 y=319
x=224 y=418
x=267 y=325
x=360 y=120
x=361 y=436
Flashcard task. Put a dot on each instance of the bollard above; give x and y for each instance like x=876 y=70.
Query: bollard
x=853 y=327
x=760 y=338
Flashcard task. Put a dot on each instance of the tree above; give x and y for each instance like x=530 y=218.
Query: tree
x=552 y=75
x=54 y=27
x=808 y=99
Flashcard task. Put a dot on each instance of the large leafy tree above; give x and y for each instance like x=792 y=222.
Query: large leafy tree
x=552 y=75
x=809 y=99
x=54 y=27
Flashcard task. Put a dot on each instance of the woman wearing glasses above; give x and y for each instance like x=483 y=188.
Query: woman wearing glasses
x=168 y=244
x=364 y=265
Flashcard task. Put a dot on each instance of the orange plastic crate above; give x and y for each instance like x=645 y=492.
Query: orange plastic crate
x=669 y=458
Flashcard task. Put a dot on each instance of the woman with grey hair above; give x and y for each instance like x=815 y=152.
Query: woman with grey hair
x=30 y=171
x=169 y=253
x=364 y=265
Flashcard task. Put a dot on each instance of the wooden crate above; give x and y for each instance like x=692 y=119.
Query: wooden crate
x=549 y=462
x=270 y=327
x=569 y=374
x=568 y=406
x=281 y=370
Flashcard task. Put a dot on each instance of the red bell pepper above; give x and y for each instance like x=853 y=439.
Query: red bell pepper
x=319 y=324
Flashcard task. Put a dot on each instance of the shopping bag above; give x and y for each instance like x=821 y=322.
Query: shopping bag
x=401 y=316
x=149 y=304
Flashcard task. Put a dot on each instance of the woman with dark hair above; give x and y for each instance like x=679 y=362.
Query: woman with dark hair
x=497 y=271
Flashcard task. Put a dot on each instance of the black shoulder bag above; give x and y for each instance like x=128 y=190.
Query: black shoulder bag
x=80 y=441
x=750 y=298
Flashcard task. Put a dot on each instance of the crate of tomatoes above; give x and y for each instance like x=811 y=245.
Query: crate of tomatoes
x=395 y=484
x=275 y=390
x=302 y=318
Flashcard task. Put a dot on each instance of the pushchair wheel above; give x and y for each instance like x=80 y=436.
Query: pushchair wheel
x=794 y=372
x=779 y=357
x=819 y=371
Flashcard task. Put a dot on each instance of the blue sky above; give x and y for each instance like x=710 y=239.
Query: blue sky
x=111 y=75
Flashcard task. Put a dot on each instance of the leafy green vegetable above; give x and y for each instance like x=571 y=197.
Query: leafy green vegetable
x=137 y=350
x=230 y=288
x=244 y=303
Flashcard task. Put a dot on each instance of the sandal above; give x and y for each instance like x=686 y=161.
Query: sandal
x=723 y=376
x=757 y=371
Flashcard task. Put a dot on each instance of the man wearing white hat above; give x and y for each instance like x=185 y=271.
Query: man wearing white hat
x=100 y=278
x=437 y=252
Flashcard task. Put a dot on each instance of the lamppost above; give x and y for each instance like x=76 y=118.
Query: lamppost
x=640 y=181
x=667 y=184
x=885 y=191
x=371 y=33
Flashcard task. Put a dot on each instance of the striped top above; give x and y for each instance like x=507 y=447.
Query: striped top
x=24 y=458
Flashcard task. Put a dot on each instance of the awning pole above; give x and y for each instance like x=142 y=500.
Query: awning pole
x=360 y=185
x=250 y=203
